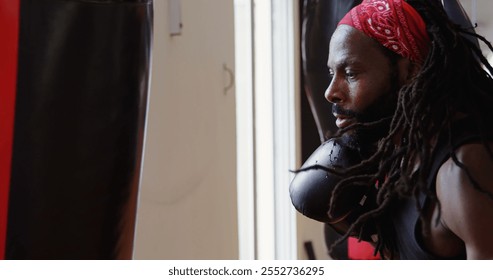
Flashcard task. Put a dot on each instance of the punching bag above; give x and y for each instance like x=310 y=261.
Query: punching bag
x=314 y=185
x=73 y=135
x=319 y=21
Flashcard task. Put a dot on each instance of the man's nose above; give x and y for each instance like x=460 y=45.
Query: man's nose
x=333 y=93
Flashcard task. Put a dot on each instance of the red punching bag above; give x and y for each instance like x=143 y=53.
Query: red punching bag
x=73 y=103
x=9 y=20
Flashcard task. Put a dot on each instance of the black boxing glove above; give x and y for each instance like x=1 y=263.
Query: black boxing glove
x=312 y=188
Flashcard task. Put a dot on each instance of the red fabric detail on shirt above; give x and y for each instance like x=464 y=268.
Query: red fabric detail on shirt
x=360 y=250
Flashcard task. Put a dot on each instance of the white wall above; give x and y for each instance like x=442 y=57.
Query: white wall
x=187 y=205
x=188 y=196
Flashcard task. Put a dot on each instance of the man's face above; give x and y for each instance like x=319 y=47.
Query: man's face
x=364 y=84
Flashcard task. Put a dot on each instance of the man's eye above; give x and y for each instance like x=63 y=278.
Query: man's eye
x=350 y=74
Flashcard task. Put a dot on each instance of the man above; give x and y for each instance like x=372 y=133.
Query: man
x=405 y=66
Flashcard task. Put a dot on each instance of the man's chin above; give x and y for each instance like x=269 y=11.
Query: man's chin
x=350 y=138
x=365 y=139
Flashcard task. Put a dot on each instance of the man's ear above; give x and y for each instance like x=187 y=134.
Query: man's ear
x=407 y=70
x=414 y=69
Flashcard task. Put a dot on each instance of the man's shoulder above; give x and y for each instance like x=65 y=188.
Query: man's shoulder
x=471 y=152
x=470 y=165
x=464 y=187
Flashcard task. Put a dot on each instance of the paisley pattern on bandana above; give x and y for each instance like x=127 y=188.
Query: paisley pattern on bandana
x=394 y=24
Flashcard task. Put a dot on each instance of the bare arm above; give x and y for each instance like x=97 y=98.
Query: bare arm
x=467 y=212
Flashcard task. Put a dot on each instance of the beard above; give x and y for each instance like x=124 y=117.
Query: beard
x=365 y=137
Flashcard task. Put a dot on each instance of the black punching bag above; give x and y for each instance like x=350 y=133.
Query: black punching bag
x=319 y=21
x=315 y=184
x=82 y=71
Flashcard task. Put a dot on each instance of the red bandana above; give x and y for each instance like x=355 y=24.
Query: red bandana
x=394 y=24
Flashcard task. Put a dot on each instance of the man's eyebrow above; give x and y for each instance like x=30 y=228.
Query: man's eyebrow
x=344 y=63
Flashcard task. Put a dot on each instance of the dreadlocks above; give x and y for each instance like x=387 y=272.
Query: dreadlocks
x=452 y=80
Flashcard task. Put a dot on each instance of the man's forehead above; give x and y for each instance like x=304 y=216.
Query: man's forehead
x=349 y=45
x=342 y=35
x=344 y=45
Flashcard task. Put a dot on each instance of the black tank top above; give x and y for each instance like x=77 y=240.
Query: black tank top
x=405 y=213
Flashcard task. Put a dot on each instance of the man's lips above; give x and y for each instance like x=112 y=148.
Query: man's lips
x=343 y=121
